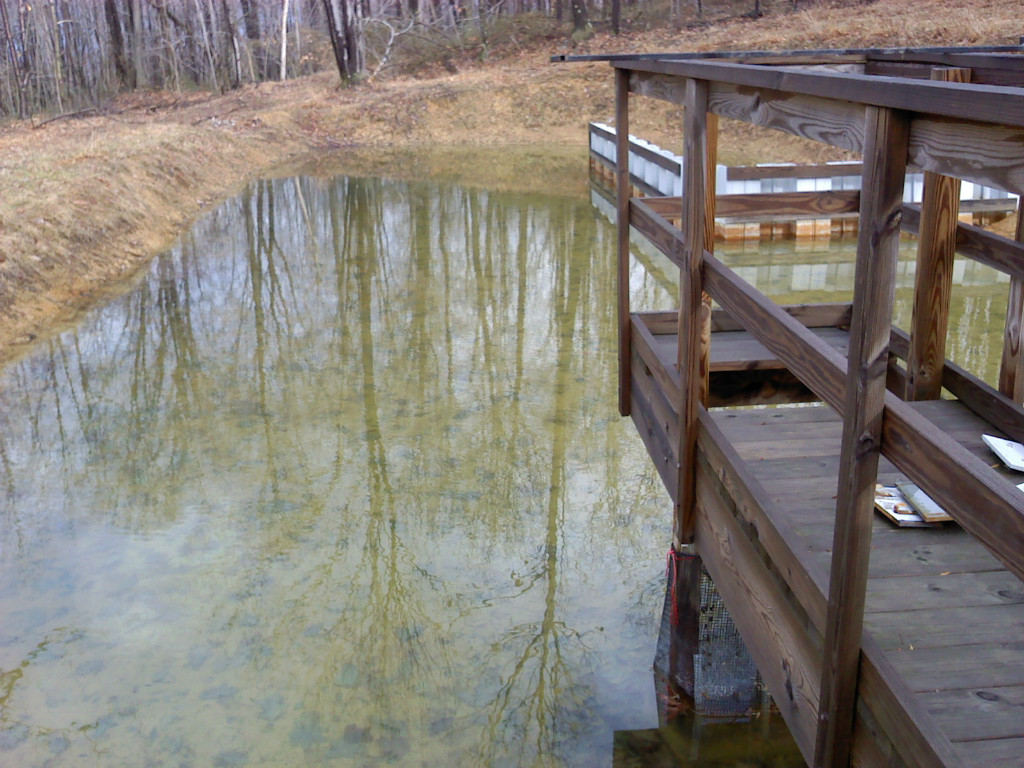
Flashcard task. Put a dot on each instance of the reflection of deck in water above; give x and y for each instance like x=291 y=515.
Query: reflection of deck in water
x=713 y=708
x=880 y=645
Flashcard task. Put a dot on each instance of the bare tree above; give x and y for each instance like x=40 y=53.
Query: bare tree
x=581 y=27
x=346 y=30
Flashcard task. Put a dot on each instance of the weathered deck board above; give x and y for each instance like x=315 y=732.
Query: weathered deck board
x=1001 y=753
x=999 y=705
x=934 y=590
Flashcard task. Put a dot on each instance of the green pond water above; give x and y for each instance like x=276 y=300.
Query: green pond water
x=341 y=482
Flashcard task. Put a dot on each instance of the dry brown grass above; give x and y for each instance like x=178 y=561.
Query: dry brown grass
x=86 y=203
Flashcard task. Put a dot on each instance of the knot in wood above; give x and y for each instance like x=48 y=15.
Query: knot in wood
x=866 y=444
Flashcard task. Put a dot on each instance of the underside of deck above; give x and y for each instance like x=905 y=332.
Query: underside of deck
x=942 y=667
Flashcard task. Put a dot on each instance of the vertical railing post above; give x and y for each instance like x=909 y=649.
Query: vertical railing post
x=885 y=158
x=622 y=195
x=1011 y=368
x=709 y=246
x=695 y=178
x=940 y=208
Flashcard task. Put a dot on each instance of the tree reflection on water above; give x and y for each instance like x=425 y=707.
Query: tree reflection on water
x=339 y=482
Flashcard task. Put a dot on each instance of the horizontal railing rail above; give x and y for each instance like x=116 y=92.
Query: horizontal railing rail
x=976 y=496
x=959 y=131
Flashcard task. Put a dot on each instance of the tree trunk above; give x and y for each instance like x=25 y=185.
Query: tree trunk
x=229 y=23
x=252 y=21
x=138 y=45
x=284 y=40
x=581 y=28
x=352 y=29
x=346 y=37
x=22 y=111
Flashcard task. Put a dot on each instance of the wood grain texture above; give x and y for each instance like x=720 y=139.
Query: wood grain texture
x=814 y=362
x=983 y=503
x=885 y=155
x=622 y=242
x=911 y=730
x=772 y=171
x=933 y=280
x=979 y=713
x=658 y=322
x=661 y=407
x=996 y=409
x=710 y=180
x=755 y=508
x=989 y=248
x=902 y=717
x=752 y=207
x=994 y=753
x=832 y=315
x=1011 y=365
x=775 y=635
x=989 y=154
x=995 y=104
x=690 y=301
x=655 y=441
x=666 y=375
x=656 y=228
x=789 y=205
x=831 y=121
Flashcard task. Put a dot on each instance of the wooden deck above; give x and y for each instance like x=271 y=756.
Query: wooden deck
x=882 y=646
x=942 y=613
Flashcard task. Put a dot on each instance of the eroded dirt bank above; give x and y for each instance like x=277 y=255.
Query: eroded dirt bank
x=85 y=203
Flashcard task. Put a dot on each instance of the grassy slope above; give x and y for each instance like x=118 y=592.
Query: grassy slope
x=86 y=203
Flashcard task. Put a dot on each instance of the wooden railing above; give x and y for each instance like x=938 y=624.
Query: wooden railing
x=952 y=130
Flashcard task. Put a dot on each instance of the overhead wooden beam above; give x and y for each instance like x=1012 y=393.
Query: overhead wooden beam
x=820 y=54
x=885 y=156
x=933 y=280
x=830 y=121
x=991 y=154
x=622 y=209
x=999 y=105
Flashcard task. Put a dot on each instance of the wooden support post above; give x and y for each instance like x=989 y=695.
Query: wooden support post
x=622 y=195
x=885 y=157
x=940 y=208
x=691 y=304
x=709 y=246
x=684 y=642
x=1011 y=369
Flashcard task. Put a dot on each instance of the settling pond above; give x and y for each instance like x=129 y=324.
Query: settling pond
x=340 y=481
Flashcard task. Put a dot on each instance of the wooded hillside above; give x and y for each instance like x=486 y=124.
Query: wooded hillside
x=61 y=56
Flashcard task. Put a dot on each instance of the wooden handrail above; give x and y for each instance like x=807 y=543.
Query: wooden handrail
x=983 y=503
x=988 y=248
x=1000 y=105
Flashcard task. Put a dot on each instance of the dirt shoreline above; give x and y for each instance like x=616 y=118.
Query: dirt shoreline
x=86 y=203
